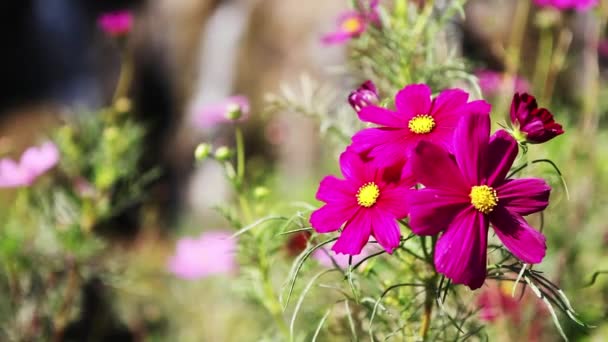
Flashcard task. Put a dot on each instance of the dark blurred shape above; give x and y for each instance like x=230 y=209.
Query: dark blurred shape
x=47 y=51
x=97 y=321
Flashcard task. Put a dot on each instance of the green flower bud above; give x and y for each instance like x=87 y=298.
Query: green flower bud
x=234 y=112
x=202 y=151
x=260 y=192
x=223 y=153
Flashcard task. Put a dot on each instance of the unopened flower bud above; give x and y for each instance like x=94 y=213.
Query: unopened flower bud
x=223 y=153
x=364 y=96
x=202 y=151
x=260 y=192
x=234 y=112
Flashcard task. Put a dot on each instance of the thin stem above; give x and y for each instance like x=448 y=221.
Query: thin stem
x=125 y=76
x=240 y=156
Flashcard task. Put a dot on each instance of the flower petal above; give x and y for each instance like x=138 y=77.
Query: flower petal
x=525 y=242
x=385 y=229
x=432 y=211
x=385 y=146
x=355 y=234
x=412 y=100
x=331 y=217
x=502 y=151
x=335 y=190
x=460 y=253
x=393 y=200
x=12 y=175
x=353 y=168
x=434 y=168
x=524 y=196
x=471 y=146
x=448 y=103
x=382 y=116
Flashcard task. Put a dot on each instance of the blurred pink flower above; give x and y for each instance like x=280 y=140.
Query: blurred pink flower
x=213 y=252
x=351 y=24
x=496 y=302
x=34 y=162
x=116 y=23
x=324 y=256
x=224 y=111
x=365 y=95
x=579 y=5
x=490 y=83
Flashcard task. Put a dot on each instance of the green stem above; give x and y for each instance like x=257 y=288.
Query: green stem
x=125 y=76
x=240 y=156
x=271 y=300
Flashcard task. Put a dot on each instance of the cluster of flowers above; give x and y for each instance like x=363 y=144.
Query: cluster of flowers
x=433 y=160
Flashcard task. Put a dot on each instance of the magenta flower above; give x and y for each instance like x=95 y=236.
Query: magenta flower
x=462 y=195
x=367 y=202
x=491 y=83
x=34 y=162
x=352 y=24
x=234 y=108
x=213 y=252
x=365 y=95
x=417 y=118
x=116 y=23
x=532 y=124
x=579 y=5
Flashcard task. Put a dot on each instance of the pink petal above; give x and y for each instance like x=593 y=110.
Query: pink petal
x=337 y=37
x=448 y=103
x=385 y=229
x=524 y=196
x=525 y=242
x=502 y=151
x=355 y=234
x=38 y=160
x=382 y=116
x=334 y=190
x=412 y=100
x=471 y=146
x=331 y=217
x=393 y=200
x=354 y=169
x=12 y=175
x=460 y=253
x=385 y=146
x=431 y=211
x=434 y=168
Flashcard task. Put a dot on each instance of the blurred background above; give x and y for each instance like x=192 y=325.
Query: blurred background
x=63 y=78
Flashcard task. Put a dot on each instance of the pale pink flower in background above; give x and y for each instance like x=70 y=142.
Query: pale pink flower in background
x=34 y=162
x=324 y=256
x=213 y=252
x=221 y=112
x=491 y=83
x=116 y=23
x=579 y=5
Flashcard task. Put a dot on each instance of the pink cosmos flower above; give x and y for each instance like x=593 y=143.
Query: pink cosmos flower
x=352 y=24
x=496 y=302
x=116 y=23
x=491 y=83
x=365 y=95
x=34 y=162
x=464 y=194
x=367 y=202
x=211 y=253
x=418 y=117
x=579 y=5
x=532 y=124
x=327 y=257
x=234 y=108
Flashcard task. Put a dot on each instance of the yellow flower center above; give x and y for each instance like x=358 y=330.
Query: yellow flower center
x=368 y=194
x=351 y=25
x=483 y=198
x=421 y=124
